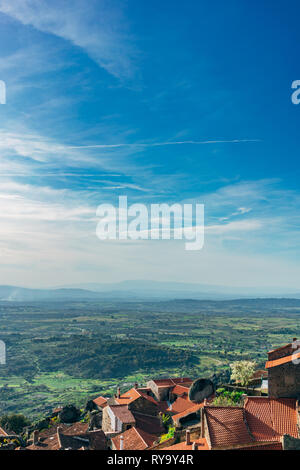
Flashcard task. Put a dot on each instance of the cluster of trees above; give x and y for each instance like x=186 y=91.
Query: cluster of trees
x=14 y=423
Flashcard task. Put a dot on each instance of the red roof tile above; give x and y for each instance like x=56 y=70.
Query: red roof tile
x=179 y=405
x=263 y=446
x=268 y=419
x=282 y=360
x=202 y=445
x=181 y=389
x=226 y=426
x=191 y=409
x=284 y=416
x=134 y=439
x=100 y=401
x=128 y=397
x=132 y=395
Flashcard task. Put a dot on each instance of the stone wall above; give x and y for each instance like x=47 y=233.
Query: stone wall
x=284 y=381
x=106 y=421
x=142 y=405
x=161 y=393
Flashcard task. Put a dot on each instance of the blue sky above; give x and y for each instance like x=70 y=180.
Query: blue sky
x=160 y=101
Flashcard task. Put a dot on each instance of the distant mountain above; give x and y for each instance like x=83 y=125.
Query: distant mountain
x=21 y=294
x=182 y=290
x=137 y=291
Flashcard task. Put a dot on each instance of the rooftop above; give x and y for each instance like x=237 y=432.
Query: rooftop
x=227 y=427
x=268 y=419
x=134 y=439
x=122 y=413
x=201 y=444
x=133 y=394
x=100 y=401
x=190 y=410
x=179 y=405
x=282 y=360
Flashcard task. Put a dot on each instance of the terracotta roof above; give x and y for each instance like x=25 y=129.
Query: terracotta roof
x=122 y=413
x=179 y=405
x=284 y=416
x=132 y=395
x=263 y=446
x=282 y=360
x=227 y=427
x=134 y=439
x=259 y=419
x=128 y=397
x=202 y=445
x=181 y=389
x=100 y=401
x=191 y=409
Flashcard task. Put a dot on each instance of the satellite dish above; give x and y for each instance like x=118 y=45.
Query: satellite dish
x=201 y=389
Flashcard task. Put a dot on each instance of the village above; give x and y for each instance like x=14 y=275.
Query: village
x=181 y=414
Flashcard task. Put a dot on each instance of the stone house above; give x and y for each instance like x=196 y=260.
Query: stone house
x=139 y=400
x=162 y=388
x=117 y=418
x=283 y=367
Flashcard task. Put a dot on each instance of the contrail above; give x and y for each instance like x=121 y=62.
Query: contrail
x=160 y=144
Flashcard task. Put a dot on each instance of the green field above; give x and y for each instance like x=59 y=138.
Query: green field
x=69 y=352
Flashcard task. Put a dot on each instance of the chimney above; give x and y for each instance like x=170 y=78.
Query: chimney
x=118 y=392
x=195 y=446
x=35 y=438
x=136 y=385
x=121 y=443
x=188 y=437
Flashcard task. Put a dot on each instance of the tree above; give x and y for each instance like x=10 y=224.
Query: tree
x=14 y=422
x=242 y=371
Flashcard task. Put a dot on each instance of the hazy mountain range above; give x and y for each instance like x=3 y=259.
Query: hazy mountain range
x=140 y=290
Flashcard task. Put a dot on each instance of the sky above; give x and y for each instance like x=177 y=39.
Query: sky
x=164 y=102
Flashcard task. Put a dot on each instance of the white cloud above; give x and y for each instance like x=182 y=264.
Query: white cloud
x=99 y=29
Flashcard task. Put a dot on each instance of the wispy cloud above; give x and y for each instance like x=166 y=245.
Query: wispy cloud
x=100 y=30
x=161 y=144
